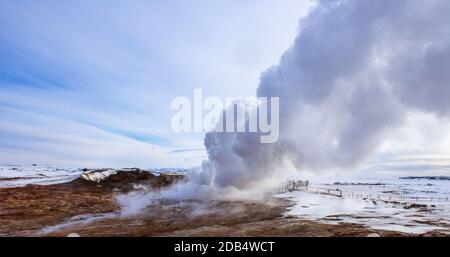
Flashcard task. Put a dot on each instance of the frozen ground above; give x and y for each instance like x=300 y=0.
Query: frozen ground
x=20 y=175
x=406 y=205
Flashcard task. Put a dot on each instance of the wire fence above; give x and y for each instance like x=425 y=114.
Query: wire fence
x=324 y=191
x=298 y=185
x=394 y=198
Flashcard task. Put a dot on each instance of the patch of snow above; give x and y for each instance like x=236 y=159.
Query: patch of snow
x=98 y=175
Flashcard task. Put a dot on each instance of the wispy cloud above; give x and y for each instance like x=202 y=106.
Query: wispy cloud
x=90 y=83
x=186 y=150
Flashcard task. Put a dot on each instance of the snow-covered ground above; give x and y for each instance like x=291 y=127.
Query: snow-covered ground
x=21 y=175
x=407 y=205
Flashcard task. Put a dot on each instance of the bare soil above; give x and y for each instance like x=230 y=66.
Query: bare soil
x=25 y=211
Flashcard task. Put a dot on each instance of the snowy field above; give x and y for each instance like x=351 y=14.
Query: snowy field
x=406 y=205
x=21 y=175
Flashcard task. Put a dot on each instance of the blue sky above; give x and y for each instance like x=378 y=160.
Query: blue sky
x=89 y=83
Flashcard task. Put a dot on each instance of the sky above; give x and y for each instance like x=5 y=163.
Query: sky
x=89 y=83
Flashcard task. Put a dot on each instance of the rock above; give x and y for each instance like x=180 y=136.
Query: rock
x=428 y=177
x=415 y=205
x=373 y=235
x=73 y=235
x=126 y=179
x=357 y=184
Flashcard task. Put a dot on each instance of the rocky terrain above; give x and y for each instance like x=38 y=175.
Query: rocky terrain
x=87 y=206
x=25 y=210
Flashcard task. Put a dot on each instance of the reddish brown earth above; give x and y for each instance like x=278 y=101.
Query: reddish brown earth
x=25 y=211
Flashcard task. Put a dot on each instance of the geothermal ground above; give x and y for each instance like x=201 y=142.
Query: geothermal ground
x=88 y=208
x=57 y=210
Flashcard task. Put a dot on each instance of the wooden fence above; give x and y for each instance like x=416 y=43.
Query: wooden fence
x=298 y=185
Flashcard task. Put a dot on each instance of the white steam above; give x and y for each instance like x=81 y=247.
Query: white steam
x=353 y=73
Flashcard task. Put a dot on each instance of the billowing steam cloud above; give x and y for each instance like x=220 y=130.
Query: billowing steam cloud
x=354 y=71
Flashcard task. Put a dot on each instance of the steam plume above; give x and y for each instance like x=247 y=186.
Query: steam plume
x=354 y=70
